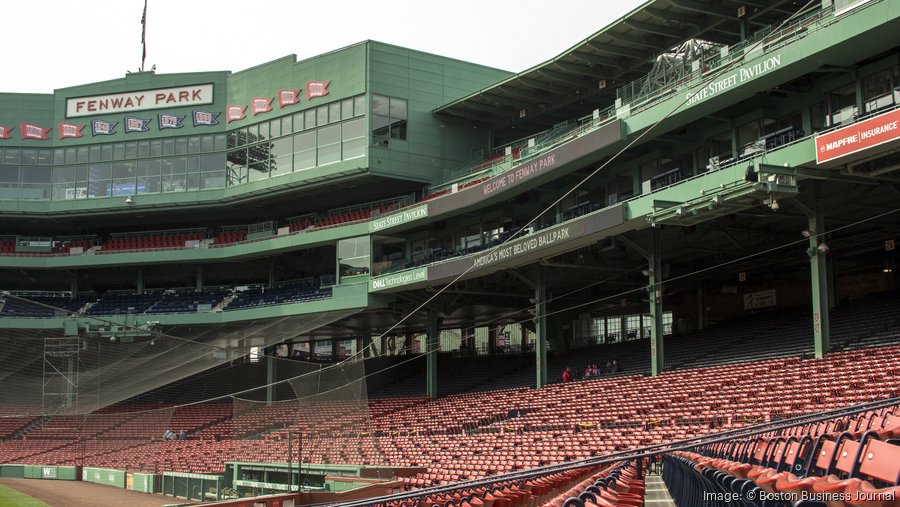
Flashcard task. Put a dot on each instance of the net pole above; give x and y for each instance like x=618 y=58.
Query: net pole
x=290 y=462
x=300 y=460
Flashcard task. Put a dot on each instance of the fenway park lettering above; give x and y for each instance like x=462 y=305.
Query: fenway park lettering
x=140 y=101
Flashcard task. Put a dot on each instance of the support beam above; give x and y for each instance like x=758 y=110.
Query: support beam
x=669 y=15
x=705 y=8
x=271 y=367
x=626 y=52
x=407 y=343
x=432 y=332
x=819 y=276
x=659 y=29
x=655 y=291
x=199 y=280
x=701 y=308
x=540 y=327
x=367 y=344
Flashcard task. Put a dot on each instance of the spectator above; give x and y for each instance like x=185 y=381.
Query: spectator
x=615 y=366
x=567 y=374
x=609 y=367
x=168 y=435
x=182 y=435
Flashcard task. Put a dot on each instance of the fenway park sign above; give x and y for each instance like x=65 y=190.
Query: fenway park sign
x=140 y=101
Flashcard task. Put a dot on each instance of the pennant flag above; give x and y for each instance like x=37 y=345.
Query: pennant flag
x=234 y=113
x=170 y=121
x=103 y=128
x=288 y=97
x=29 y=131
x=260 y=105
x=135 y=124
x=69 y=130
x=316 y=89
x=205 y=118
x=5 y=132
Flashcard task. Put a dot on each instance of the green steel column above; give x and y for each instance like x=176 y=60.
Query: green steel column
x=432 y=332
x=367 y=344
x=73 y=287
x=654 y=291
x=271 y=366
x=71 y=389
x=701 y=308
x=540 y=330
x=819 y=277
x=140 y=281
x=199 y=280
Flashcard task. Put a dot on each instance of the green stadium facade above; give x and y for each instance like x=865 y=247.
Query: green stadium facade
x=730 y=157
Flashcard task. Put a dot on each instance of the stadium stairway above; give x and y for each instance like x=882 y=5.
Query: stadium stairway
x=656 y=494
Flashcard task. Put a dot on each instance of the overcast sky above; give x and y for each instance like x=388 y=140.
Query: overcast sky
x=59 y=43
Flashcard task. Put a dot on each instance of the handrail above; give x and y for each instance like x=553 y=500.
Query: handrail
x=530 y=147
x=163 y=232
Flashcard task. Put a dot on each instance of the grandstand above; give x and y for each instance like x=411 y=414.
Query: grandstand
x=358 y=278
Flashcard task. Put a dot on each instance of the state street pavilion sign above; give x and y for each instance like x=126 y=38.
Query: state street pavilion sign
x=191 y=95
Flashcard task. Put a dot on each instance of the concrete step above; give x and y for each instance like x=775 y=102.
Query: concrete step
x=655 y=492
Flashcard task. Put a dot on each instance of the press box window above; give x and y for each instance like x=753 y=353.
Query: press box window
x=389 y=115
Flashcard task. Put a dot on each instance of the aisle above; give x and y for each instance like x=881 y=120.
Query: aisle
x=655 y=492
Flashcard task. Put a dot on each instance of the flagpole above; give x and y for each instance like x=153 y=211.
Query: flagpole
x=144 y=36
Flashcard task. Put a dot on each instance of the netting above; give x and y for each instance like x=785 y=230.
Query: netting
x=93 y=362
x=336 y=417
x=130 y=394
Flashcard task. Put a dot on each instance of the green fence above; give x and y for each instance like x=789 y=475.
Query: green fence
x=192 y=486
x=12 y=471
x=105 y=476
x=39 y=472
x=145 y=483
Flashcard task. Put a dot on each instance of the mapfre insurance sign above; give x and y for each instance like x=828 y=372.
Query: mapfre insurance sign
x=140 y=101
x=857 y=137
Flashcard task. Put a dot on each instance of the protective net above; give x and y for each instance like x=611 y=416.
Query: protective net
x=90 y=362
x=336 y=417
x=130 y=394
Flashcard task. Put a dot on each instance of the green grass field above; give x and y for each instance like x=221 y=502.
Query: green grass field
x=12 y=498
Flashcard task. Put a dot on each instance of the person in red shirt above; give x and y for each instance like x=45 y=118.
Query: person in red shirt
x=567 y=375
